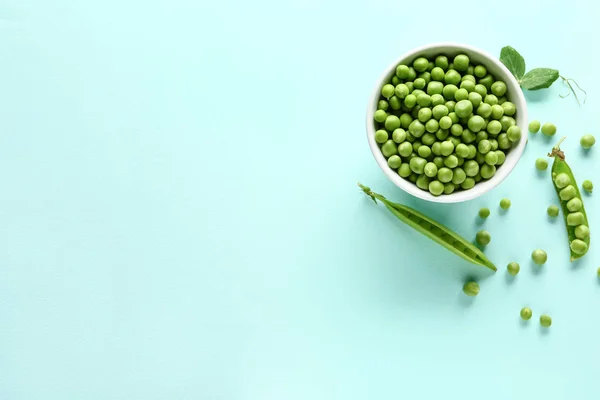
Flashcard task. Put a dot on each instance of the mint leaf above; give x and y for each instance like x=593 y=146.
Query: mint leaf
x=513 y=61
x=539 y=78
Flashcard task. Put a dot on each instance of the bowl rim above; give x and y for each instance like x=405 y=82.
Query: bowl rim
x=480 y=188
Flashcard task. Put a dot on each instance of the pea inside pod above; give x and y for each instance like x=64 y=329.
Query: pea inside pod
x=433 y=230
x=571 y=202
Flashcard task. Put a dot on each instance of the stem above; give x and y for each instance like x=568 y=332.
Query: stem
x=374 y=196
x=556 y=151
x=572 y=90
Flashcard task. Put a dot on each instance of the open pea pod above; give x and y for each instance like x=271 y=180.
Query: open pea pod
x=574 y=232
x=434 y=230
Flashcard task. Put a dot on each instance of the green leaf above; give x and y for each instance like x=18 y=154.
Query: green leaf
x=539 y=78
x=513 y=61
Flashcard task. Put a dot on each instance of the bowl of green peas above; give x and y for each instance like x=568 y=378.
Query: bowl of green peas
x=447 y=122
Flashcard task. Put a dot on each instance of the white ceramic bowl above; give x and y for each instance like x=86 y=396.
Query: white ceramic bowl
x=514 y=94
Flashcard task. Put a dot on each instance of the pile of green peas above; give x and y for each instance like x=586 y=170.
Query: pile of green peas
x=445 y=125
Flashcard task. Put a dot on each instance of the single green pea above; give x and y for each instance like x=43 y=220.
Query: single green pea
x=444 y=175
x=387 y=90
x=404 y=171
x=582 y=232
x=471 y=168
x=424 y=151
x=431 y=66
x=380 y=116
x=480 y=158
x=416 y=128
x=423 y=182
x=494 y=127
x=430 y=169
x=562 y=180
x=480 y=71
x=578 y=246
x=452 y=114
x=514 y=133
x=402 y=71
x=437 y=100
x=442 y=62
x=534 y=126
x=482 y=135
x=502 y=100
x=587 y=141
x=487 y=170
x=484 y=146
x=381 y=136
x=462 y=150
x=491 y=158
x=399 y=135
x=432 y=126
x=437 y=74
x=588 y=186
x=436 y=148
x=412 y=74
x=417 y=165
x=401 y=90
x=424 y=114
x=438 y=161
x=420 y=83
x=541 y=164
x=539 y=257
x=463 y=108
x=567 y=193
x=434 y=87
x=452 y=77
x=468 y=183
x=483 y=237
x=392 y=122
x=456 y=130
x=440 y=111
x=424 y=100
x=468 y=85
x=449 y=91
x=451 y=161
x=416 y=145
x=490 y=99
x=513 y=268
x=509 y=108
x=497 y=112
x=394 y=161
x=505 y=204
x=494 y=144
x=389 y=148
x=414 y=177
x=428 y=139
x=420 y=64
x=445 y=122
x=405 y=149
x=487 y=81
x=574 y=205
x=471 y=289
x=442 y=134
x=436 y=188
x=501 y=157
x=504 y=142
x=548 y=129
x=476 y=123
x=526 y=314
x=461 y=94
x=472 y=151
x=461 y=62
x=484 y=212
x=575 y=219
x=482 y=90
x=447 y=148
x=395 y=103
x=552 y=211
x=545 y=321
x=425 y=75
x=484 y=110
x=410 y=101
x=475 y=99
x=458 y=176
x=499 y=88
x=449 y=188
x=382 y=105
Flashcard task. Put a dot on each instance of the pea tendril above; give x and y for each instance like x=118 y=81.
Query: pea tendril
x=568 y=81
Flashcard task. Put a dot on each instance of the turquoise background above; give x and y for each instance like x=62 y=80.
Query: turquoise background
x=179 y=216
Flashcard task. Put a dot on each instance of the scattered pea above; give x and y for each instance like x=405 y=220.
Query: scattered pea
x=483 y=237
x=471 y=289
x=541 y=164
x=505 y=204
x=545 y=321
x=553 y=211
x=549 y=129
x=587 y=141
x=534 y=126
x=539 y=257
x=513 y=268
x=484 y=212
x=526 y=313
x=588 y=186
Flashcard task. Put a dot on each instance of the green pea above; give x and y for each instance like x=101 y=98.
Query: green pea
x=504 y=142
x=526 y=313
x=438 y=161
x=437 y=100
x=430 y=169
x=449 y=91
x=401 y=90
x=463 y=108
x=499 y=88
x=575 y=219
x=487 y=170
x=505 y=204
x=435 y=88
x=392 y=122
x=428 y=139
x=387 y=91
x=381 y=136
x=424 y=100
x=420 y=64
x=452 y=77
x=445 y=122
x=513 y=268
x=534 y=126
x=471 y=168
x=447 y=148
x=476 y=123
x=423 y=182
x=587 y=141
x=484 y=110
x=404 y=171
x=456 y=130
x=424 y=151
x=481 y=90
x=475 y=99
x=480 y=71
x=484 y=146
x=468 y=183
x=582 y=232
x=396 y=80
x=440 y=111
x=483 y=238
x=484 y=212
x=487 y=81
x=432 y=126
x=420 y=83
x=468 y=77
x=449 y=188
x=462 y=150
x=545 y=321
x=402 y=71
x=444 y=175
x=437 y=74
x=451 y=161
x=455 y=141
x=394 y=162
x=416 y=128
x=472 y=151
x=424 y=114
x=414 y=177
x=389 y=148
x=541 y=164
x=461 y=94
x=567 y=193
x=480 y=158
x=410 y=101
x=509 y=108
x=442 y=62
x=562 y=180
x=502 y=100
x=435 y=148
x=442 y=134
x=514 y=133
x=425 y=75
x=469 y=86
x=494 y=127
x=481 y=135
x=431 y=66
x=458 y=176
x=491 y=158
x=548 y=129
x=461 y=161
x=461 y=62
x=382 y=105
x=501 y=157
x=416 y=145
x=588 y=186
x=405 y=120
x=471 y=289
x=399 y=135
x=395 y=103
x=539 y=257
x=552 y=211
x=405 y=149
x=380 y=116
x=574 y=205
x=452 y=114
x=490 y=99
x=497 y=112
x=436 y=188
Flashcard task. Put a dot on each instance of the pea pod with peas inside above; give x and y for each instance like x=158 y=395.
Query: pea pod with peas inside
x=433 y=230
x=571 y=202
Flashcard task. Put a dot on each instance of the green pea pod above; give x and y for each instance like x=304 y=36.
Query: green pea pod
x=560 y=166
x=433 y=230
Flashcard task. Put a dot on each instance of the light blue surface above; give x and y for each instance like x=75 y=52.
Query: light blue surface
x=179 y=216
